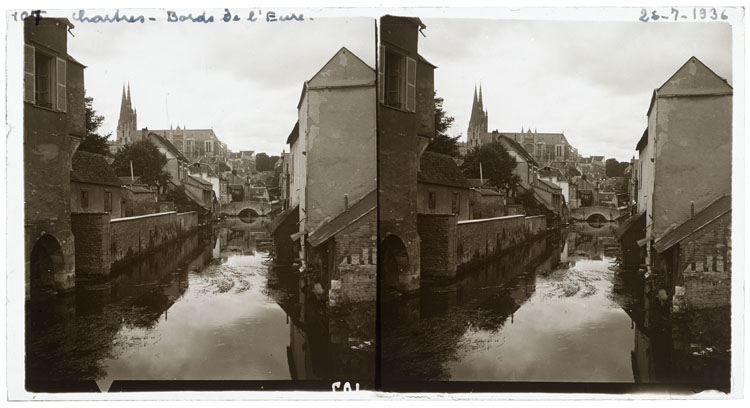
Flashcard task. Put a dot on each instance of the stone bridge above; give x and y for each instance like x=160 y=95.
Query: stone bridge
x=594 y=212
x=250 y=208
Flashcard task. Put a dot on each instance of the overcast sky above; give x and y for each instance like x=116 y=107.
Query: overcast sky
x=593 y=81
x=243 y=79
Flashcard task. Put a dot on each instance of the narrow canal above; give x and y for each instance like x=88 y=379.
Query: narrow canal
x=557 y=309
x=212 y=306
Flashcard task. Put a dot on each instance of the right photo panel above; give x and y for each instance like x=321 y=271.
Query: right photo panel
x=555 y=203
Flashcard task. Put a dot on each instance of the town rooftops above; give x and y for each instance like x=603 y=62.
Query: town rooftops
x=92 y=168
x=440 y=169
x=716 y=209
x=364 y=206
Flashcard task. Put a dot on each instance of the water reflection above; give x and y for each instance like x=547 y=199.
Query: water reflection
x=557 y=309
x=210 y=307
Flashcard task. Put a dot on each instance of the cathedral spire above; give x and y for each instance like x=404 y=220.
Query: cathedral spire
x=480 y=96
x=129 y=100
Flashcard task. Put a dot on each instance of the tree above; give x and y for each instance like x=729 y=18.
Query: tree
x=497 y=166
x=261 y=162
x=94 y=142
x=272 y=162
x=442 y=143
x=148 y=164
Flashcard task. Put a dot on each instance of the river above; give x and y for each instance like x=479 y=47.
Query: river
x=212 y=306
x=559 y=309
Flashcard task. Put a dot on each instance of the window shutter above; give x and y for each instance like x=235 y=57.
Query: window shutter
x=411 y=84
x=381 y=74
x=61 y=85
x=29 y=72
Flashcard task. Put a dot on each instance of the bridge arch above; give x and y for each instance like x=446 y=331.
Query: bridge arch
x=46 y=260
x=248 y=212
x=395 y=267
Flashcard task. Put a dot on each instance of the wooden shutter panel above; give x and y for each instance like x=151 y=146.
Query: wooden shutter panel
x=61 y=85
x=411 y=84
x=381 y=73
x=29 y=72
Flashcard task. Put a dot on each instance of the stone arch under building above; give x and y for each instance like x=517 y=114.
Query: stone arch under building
x=395 y=267
x=46 y=260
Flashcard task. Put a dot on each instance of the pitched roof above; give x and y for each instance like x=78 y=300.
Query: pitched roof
x=519 y=149
x=475 y=182
x=293 y=135
x=643 y=142
x=636 y=221
x=716 y=209
x=356 y=211
x=200 y=180
x=139 y=189
x=127 y=180
x=436 y=168
x=488 y=191
x=92 y=168
x=167 y=145
x=549 y=184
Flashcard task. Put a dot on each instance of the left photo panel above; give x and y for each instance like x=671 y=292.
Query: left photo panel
x=199 y=195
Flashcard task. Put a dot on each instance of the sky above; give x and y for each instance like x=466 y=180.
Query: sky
x=240 y=78
x=592 y=81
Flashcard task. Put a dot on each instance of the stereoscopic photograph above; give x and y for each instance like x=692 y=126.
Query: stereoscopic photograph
x=379 y=200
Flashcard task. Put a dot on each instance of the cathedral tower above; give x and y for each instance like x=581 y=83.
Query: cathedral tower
x=478 y=122
x=127 y=125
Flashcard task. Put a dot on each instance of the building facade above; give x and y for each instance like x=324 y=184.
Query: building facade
x=405 y=126
x=332 y=178
x=53 y=126
x=94 y=187
x=683 y=183
x=442 y=187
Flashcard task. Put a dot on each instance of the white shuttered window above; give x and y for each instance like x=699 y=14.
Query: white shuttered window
x=29 y=72
x=61 y=87
x=411 y=85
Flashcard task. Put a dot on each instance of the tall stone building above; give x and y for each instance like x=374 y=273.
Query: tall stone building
x=478 y=122
x=127 y=125
x=53 y=126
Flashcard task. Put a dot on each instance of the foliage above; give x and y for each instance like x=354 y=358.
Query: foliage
x=148 y=163
x=262 y=161
x=613 y=168
x=94 y=142
x=442 y=143
x=530 y=204
x=497 y=166
x=179 y=197
x=272 y=162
